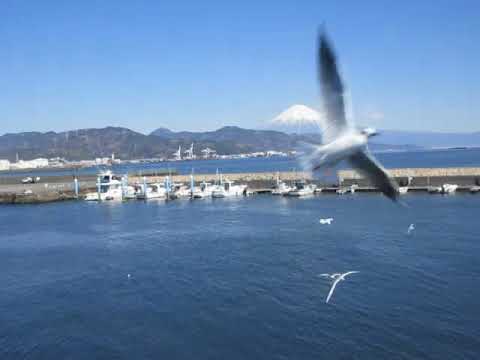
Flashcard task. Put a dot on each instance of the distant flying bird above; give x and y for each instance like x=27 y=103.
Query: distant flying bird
x=341 y=140
x=410 y=229
x=326 y=221
x=337 y=277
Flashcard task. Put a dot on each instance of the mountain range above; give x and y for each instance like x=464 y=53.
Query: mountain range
x=161 y=143
x=127 y=144
x=297 y=124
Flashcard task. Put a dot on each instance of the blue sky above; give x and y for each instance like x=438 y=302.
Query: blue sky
x=200 y=65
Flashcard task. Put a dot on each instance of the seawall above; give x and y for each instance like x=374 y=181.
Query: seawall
x=60 y=188
x=418 y=177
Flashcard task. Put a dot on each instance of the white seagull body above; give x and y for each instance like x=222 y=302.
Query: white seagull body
x=341 y=140
x=337 y=277
x=410 y=229
x=327 y=221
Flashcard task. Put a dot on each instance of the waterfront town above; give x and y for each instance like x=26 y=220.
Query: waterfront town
x=179 y=155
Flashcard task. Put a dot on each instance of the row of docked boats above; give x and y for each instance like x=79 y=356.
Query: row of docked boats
x=112 y=187
x=299 y=188
x=444 y=189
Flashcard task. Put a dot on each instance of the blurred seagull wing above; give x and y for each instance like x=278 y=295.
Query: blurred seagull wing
x=366 y=164
x=332 y=289
x=332 y=91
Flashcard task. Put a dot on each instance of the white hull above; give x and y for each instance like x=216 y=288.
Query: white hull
x=150 y=196
x=198 y=194
x=444 y=189
x=182 y=193
x=475 y=189
x=153 y=191
x=109 y=187
x=449 y=188
x=233 y=190
x=302 y=189
x=115 y=195
x=130 y=194
x=297 y=193
x=203 y=191
x=282 y=189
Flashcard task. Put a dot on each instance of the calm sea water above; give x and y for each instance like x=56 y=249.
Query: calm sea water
x=238 y=279
x=415 y=159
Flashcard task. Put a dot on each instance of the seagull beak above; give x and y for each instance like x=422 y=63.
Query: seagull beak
x=370 y=132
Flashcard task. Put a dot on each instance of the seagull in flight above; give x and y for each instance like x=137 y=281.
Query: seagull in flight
x=327 y=221
x=337 y=277
x=410 y=229
x=340 y=139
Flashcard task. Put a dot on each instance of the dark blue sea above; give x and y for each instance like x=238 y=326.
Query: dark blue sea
x=238 y=279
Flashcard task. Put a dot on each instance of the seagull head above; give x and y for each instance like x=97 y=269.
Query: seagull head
x=369 y=132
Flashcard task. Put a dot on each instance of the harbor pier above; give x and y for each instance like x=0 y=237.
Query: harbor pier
x=418 y=179
x=60 y=188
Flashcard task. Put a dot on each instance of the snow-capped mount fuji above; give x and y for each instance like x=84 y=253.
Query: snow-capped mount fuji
x=298 y=119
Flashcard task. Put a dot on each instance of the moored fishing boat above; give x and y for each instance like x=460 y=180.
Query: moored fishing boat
x=301 y=188
x=281 y=188
x=152 y=191
x=109 y=187
x=204 y=190
x=227 y=189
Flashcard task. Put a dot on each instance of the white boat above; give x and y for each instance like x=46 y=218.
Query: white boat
x=281 y=188
x=302 y=189
x=131 y=192
x=444 y=189
x=348 y=189
x=403 y=189
x=203 y=191
x=228 y=189
x=475 y=189
x=109 y=187
x=449 y=188
x=153 y=191
x=180 y=190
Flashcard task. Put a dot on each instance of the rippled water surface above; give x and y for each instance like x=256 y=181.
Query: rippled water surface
x=238 y=279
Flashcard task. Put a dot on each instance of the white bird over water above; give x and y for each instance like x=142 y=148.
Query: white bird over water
x=341 y=140
x=410 y=229
x=336 y=278
x=327 y=221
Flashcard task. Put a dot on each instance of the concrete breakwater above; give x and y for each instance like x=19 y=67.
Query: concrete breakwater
x=254 y=181
x=418 y=177
x=60 y=188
